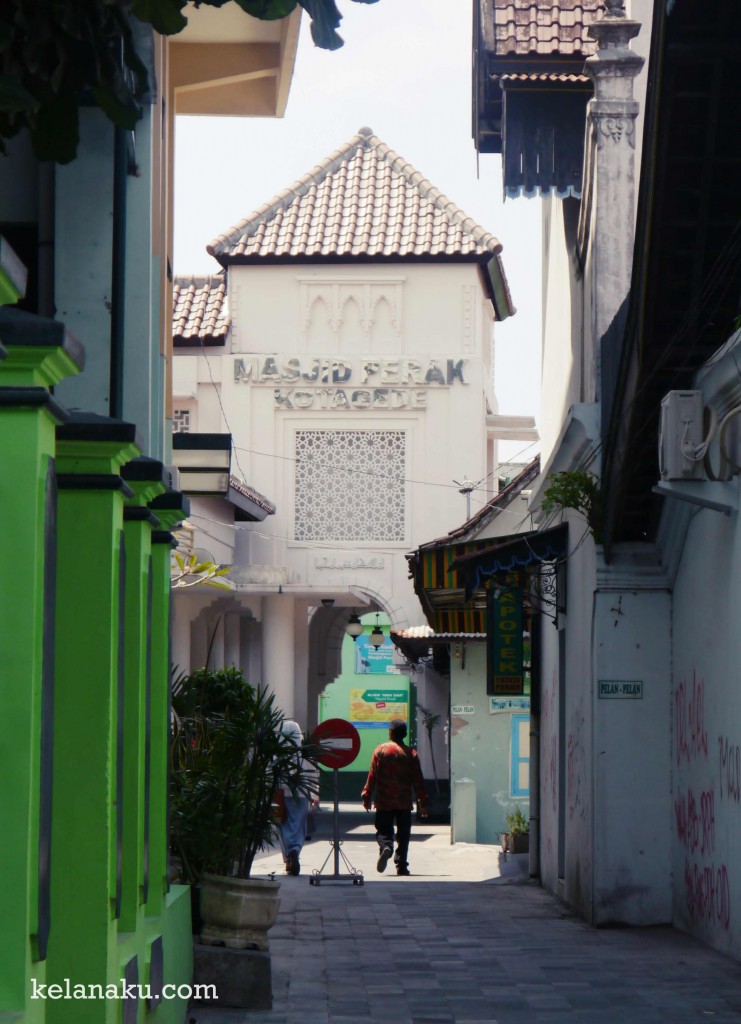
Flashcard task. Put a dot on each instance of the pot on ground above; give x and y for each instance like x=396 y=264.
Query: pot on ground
x=518 y=843
x=238 y=912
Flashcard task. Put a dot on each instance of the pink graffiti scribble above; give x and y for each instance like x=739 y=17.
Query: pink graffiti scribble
x=730 y=769
x=708 y=894
x=691 y=739
x=695 y=820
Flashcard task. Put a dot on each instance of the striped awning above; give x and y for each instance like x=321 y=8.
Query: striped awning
x=451 y=580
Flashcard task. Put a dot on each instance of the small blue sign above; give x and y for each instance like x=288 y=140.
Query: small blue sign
x=370 y=660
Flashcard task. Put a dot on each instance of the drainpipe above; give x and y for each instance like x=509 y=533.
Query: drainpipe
x=118 y=272
x=45 y=254
x=536 y=625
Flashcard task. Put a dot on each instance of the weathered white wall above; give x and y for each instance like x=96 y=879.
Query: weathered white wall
x=577 y=721
x=630 y=761
x=560 y=372
x=706 y=693
x=480 y=746
x=706 y=734
x=552 y=758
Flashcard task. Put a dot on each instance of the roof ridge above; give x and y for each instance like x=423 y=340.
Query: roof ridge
x=199 y=279
x=300 y=187
x=366 y=139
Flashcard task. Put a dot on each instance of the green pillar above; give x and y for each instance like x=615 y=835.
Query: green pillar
x=146 y=479
x=38 y=353
x=170 y=508
x=88 y=769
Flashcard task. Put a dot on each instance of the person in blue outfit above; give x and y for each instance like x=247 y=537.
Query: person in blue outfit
x=293 y=826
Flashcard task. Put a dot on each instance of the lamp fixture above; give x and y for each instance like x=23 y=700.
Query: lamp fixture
x=377 y=638
x=354 y=627
x=327 y=602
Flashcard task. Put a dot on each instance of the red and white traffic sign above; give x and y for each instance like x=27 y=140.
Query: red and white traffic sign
x=339 y=740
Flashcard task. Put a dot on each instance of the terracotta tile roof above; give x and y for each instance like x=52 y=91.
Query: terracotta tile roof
x=363 y=200
x=525 y=27
x=200 y=311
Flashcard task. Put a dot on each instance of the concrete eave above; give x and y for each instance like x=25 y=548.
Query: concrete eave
x=511 y=428
x=226 y=63
x=579 y=437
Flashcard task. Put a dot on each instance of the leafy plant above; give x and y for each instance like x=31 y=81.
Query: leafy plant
x=581 y=491
x=430 y=722
x=228 y=759
x=517 y=823
x=56 y=55
x=186 y=572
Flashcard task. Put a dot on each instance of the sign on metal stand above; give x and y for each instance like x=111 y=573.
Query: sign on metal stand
x=340 y=742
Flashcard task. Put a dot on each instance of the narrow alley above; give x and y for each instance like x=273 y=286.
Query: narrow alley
x=467 y=938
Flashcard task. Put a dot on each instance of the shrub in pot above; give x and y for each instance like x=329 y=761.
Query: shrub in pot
x=517 y=840
x=229 y=757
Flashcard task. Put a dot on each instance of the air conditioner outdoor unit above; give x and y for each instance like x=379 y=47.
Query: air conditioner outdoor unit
x=681 y=436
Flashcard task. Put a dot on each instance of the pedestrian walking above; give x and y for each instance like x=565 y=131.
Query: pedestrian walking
x=394 y=778
x=292 y=832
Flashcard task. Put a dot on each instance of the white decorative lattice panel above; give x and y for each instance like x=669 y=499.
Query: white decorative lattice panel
x=181 y=421
x=350 y=485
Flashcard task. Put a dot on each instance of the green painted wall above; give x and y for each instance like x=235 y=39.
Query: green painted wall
x=359 y=697
x=27 y=447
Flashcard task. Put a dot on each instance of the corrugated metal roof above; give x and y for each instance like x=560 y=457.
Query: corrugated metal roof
x=363 y=200
x=418 y=633
x=200 y=310
x=552 y=78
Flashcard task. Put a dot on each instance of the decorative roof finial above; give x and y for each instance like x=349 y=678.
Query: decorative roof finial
x=615 y=8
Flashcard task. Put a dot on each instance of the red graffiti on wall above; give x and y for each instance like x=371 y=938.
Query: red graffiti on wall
x=576 y=764
x=691 y=739
x=549 y=728
x=708 y=894
x=730 y=769
x=695 y=820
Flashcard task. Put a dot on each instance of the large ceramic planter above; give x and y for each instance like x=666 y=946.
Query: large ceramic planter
x=238 y=912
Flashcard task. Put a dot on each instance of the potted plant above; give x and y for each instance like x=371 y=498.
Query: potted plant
x=229 y=757
x=517 y=839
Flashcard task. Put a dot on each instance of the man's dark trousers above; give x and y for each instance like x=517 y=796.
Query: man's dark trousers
x=385 y=833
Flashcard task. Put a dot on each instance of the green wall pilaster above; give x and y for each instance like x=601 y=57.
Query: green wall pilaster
x=28 y=418
x=146 y=478
x=82 y=946
x=170 y=508
x=159 y=726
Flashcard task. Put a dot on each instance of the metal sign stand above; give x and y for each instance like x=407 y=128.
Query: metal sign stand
x=354 y=876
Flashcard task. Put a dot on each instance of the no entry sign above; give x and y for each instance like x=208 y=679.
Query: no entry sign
x=340 y=742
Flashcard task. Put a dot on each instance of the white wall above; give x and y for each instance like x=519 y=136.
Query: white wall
x=407 y=313
x=631 y=757
x=706 y=735
x=481 y=744
x=406 y=319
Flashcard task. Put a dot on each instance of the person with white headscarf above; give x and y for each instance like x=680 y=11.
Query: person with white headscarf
x=293 y=826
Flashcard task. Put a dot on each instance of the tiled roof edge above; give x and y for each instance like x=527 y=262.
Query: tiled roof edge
x=366 y=138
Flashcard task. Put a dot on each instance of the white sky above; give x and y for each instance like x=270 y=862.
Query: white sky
x=405 y=71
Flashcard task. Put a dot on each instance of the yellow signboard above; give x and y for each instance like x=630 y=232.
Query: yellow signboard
x=374 y=708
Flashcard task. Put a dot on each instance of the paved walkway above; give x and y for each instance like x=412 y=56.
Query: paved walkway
x=468 y=939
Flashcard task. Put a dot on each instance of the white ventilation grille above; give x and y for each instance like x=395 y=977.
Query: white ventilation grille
x=350 y=485
x=181 y=421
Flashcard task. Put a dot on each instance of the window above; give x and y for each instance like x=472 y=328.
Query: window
x=520 y=754
x=350 y=485
x=181 y=421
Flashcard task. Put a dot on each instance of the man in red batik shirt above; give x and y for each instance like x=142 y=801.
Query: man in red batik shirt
x=394 y=776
